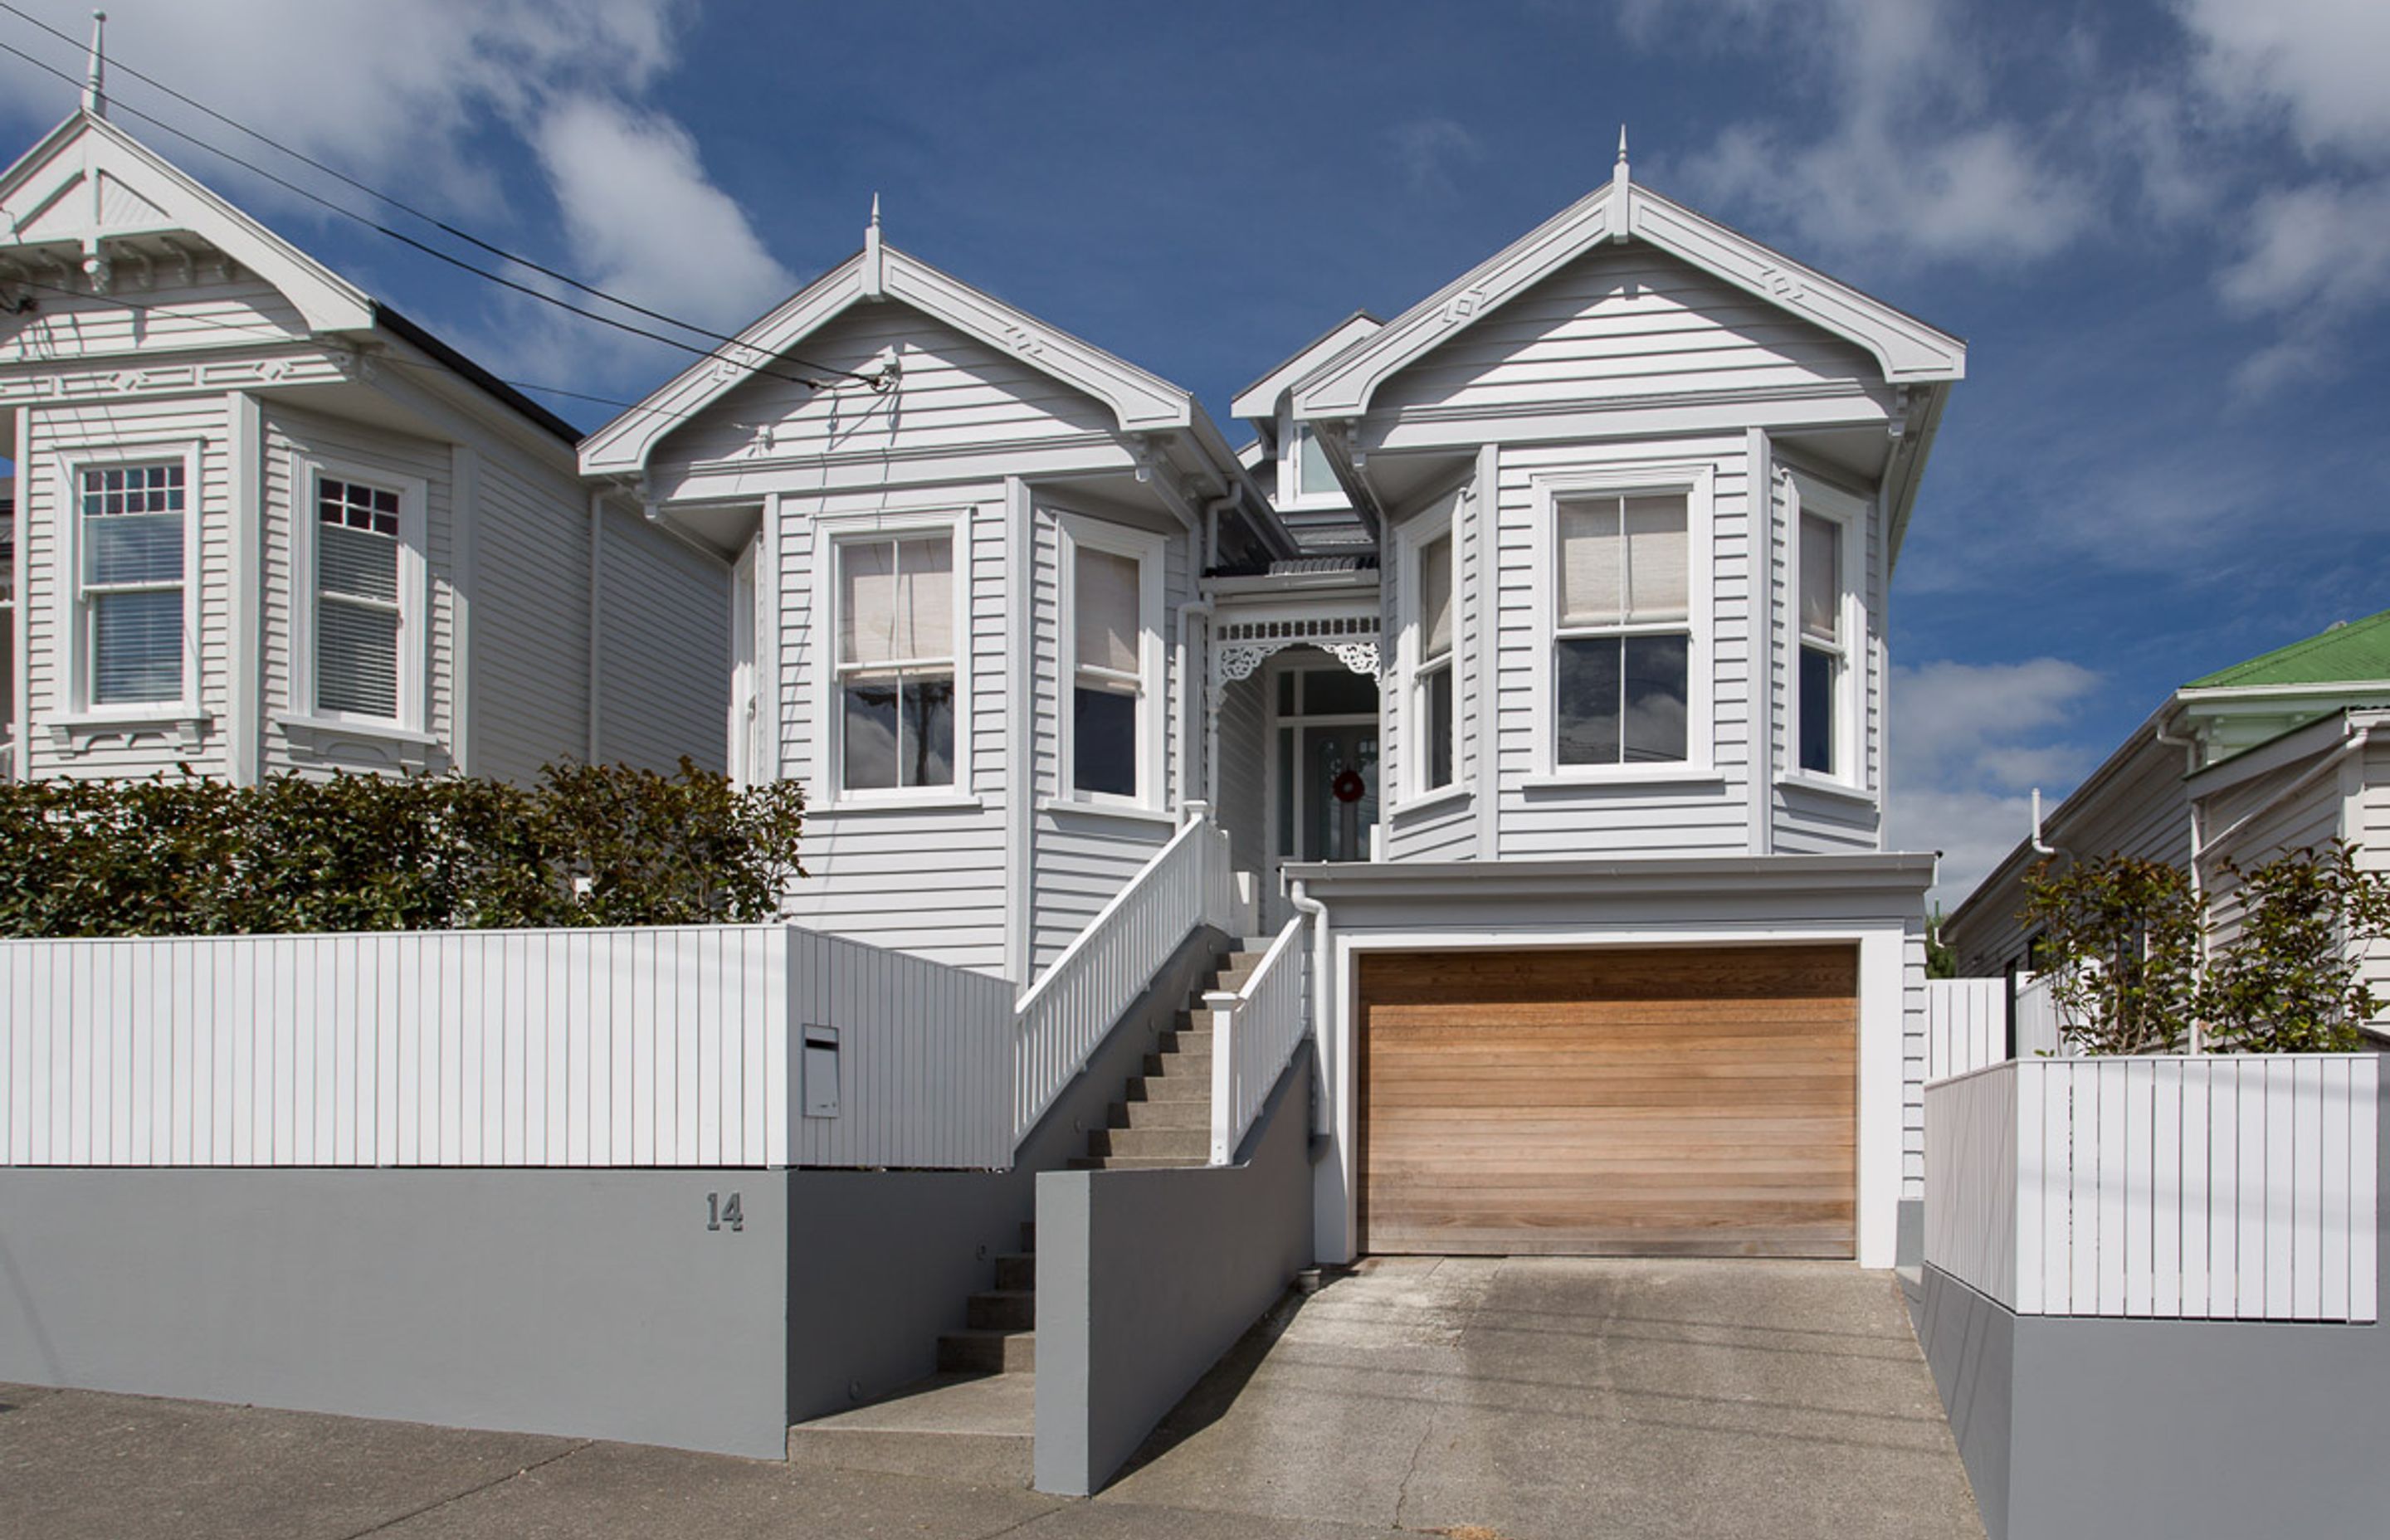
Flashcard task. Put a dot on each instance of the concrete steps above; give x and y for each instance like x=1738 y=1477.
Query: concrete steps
x=1000 y=1331
x=1163 y=1118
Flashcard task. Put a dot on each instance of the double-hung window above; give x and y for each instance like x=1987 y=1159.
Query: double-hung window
x=132 y=532
x=896 y=663
x=1622 y=644
x=1111 y=611
x=1432 y=677
x=1826 y=619
x=359 y=598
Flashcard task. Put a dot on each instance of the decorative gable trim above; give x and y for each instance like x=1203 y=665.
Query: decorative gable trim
x=89 y=181
x=1142 y=403
x=1907 y=349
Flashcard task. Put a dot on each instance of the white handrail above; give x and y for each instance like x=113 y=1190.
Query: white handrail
x=1254 y=1033
x=1062 y=1017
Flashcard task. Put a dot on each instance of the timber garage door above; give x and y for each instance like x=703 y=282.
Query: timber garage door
x=1610 y=1101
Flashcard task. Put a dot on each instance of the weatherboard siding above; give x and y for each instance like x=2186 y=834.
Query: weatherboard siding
x=2282 y=816
x=1629 y=322
x=663 y=644
x=153 y=323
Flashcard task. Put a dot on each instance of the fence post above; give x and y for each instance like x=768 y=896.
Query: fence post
x=1222 y=1004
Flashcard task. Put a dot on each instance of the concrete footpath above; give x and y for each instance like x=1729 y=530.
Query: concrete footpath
x=1488 y=1399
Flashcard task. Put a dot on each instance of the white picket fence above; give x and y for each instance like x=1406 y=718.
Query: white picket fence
x=2226 y=1187
x=655 y=1046
x=1255 y=1036
x=1071 y=1008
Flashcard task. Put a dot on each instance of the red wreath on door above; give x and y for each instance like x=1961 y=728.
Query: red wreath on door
x=1349 y=787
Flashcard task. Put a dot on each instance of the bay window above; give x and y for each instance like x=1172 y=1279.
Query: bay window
x=1432 y=677
x=896 y=662
x=1111 y=609
x=359 y=598
x=1828 y=632
x=1621 y=644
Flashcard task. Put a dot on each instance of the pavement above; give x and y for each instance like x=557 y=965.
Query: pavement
x=1483 y=1399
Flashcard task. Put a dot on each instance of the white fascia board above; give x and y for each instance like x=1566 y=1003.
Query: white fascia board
x=2216 y=699
x=87 y=146
x=1141 y=403
x=1259 y=400
x=1908 y=349
x=1898 y=874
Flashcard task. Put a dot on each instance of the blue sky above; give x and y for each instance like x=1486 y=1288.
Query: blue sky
x=2163 y=228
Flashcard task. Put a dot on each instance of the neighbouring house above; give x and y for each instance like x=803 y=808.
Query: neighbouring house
x=2275 y=754
x=1535 y=650
x=263 y=522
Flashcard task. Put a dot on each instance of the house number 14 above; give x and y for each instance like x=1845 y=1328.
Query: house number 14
x=722 y=1213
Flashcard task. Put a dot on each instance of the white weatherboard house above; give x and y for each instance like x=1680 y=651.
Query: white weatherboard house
x=1536 y=650
x=262 y=522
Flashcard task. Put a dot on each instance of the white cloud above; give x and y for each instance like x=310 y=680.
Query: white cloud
x=2317 y=62
x=1968 y=744
x=1432 y=152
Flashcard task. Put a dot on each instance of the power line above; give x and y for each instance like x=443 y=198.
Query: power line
x=876 y=382
x=395 y=202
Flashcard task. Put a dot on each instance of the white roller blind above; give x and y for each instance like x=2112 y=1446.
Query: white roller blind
x=1593 y=569
x=1655 y=559
x=1105 y=593
x=1435 y=596
x=1821 y=578
x=895 y=600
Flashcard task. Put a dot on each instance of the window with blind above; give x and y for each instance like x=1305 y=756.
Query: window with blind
x=132 y=536
x=1432 y=678
x=896 y=663
x=1825 y=648
x=1623 y=636
x=1107 y=629
x=359 y=598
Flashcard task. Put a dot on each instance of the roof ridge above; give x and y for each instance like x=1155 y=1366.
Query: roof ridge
x=2366 y=641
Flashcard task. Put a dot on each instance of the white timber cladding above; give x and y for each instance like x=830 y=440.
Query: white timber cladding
x=662 y=641
x=656 y=1046
x=923 y=871
x=2216 y=1187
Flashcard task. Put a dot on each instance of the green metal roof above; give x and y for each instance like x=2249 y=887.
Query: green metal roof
x=2351 y=652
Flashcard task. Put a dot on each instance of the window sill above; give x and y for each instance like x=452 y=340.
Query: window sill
x=1632 y=779
x=1109 y=810
x=335 y=727
x=931 y=802
x=75 y=731
x=1842 y=790
x=1441 y=796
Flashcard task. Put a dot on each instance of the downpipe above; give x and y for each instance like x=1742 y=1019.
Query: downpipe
x=1299 y=897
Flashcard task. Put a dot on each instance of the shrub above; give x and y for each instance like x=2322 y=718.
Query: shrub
x=2121 y=937
x=2289 y=981
x=588 y=845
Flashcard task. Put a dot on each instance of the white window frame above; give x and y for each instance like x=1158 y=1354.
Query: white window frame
x=1289 y=469
x=1695 y=482
x=1411 y=539
x=1848 y=515
x=1146 y=549
x=307 y=471
x=832 y=531
x=75 y=612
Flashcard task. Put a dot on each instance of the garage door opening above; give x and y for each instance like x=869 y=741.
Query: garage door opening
x=1611 y=1101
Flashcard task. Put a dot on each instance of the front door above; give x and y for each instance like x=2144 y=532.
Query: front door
x=1338 y=783
x=1323 y=768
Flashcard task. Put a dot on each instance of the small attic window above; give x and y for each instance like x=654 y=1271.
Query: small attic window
x=1312 y=477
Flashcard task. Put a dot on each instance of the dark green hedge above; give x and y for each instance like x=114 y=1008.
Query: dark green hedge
x=588 y=845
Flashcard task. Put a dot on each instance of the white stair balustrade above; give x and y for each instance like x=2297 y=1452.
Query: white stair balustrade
x=1256 y=1033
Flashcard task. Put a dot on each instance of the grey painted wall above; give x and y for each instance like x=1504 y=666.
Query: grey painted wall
x=2078 y=1426
x=582 y=1303
x=1146 y=1278
x=591 y=1302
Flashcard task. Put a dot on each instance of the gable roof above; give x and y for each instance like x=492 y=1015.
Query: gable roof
x=2350 y=652
x=1260 y=398
x=1140 y=402
x=1909 y=350
x=88 y=181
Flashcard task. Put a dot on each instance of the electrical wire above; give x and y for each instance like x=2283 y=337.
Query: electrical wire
x=875 y=381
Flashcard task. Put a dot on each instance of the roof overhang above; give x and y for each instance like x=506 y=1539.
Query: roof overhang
x=1140 y=402
x=88 y=183
x=1909 y=350
x=1258 y=402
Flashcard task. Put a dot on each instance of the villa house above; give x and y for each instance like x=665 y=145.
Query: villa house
x=1532 y=656
x=262 y=522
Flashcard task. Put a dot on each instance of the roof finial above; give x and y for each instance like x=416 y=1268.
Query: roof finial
x=1622 y=144
x=95 y=88
x=1619 y=215
x=875 y=210
x=873 y=270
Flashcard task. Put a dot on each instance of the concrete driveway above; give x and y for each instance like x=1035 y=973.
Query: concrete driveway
x=1484 y=1400
x=1559 y=1398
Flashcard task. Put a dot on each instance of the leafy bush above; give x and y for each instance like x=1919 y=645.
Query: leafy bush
x=2120 y=938
x=589 y=845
